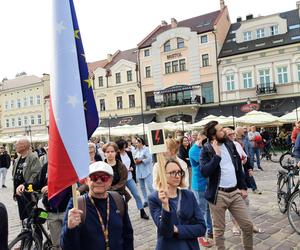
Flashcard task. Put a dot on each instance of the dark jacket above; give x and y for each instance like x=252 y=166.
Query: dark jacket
x=132 y=164
x=4 y=160
x=189 y=221
x=183 y=154
x=89 y=234
x=210 y=168
x=40 y=181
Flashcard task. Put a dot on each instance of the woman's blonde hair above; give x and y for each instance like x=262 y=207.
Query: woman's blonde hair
x=172 y=145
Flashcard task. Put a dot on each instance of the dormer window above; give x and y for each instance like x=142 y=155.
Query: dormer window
x=260 y=33
x=274 y=30
x=167 y=46
x=180 y=42
x=247 y=36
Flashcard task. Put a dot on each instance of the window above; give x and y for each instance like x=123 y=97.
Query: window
x=264 y=77
x=247 y=80
x=180 y=43
x=13 y=122
x=146 y=52
x=167 y=46
x=175 y=66
x=168 y=68
x=102 y=104
x=7 y=123
x=31 y=100
x=25 y=102
x=260 y=33
x=20 y=121
x=230 y=82
x=38 y=100
x=282 y=74
x=25 y=120
x=205 y=61
x=6 y=105
x=148 y=71
x=119 y=102
x=274 y=30
x=39 y=119
x=295 y=26
x=131 y=101
x=129 y=75
x=100 y=81
x=247 y=36
x=32 y=120
x=18 y=103
x=12 y=104
x=182 y=65
x=118 y=77
x=204 y=39
x=298 y=69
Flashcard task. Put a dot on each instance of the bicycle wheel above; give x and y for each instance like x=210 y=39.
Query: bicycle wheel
x=293 y=211
x=282 y=193
x=287 y=160
x=26 y=241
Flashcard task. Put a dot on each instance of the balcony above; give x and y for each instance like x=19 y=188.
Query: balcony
x=266 y=89
x=157 y=105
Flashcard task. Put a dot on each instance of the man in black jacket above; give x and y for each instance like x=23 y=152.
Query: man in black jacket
x=4 y=164
x=221 y=164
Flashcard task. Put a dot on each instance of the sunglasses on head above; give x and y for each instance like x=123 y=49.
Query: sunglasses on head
x=103 y=178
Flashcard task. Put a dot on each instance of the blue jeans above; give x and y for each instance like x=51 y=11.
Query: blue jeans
x=250 y=181
x=146 y=182
x=255 y=151
x=133 y=189
x=204 y=208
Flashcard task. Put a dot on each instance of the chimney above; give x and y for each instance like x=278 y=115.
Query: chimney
x=222 y=4
x=173 y=23
x=164 y=23
x=239 y=19
x=109 y=57
x=249 y=17
x=298 y=7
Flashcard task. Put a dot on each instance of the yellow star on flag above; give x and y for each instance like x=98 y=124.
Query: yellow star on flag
x=76 y=32
x=88 y=81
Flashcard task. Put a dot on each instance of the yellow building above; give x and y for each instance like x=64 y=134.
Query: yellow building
x=22 y=105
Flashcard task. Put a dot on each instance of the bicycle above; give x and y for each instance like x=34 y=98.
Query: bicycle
x=29 y=238
x=268 y=151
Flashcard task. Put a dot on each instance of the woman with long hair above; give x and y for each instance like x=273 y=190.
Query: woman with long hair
x=183 y=154
x=174 y=210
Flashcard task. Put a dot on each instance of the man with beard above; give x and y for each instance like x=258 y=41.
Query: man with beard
x=221 y=164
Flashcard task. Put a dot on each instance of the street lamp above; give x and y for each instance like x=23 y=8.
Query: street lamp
x=28 y=131
x=108 y=121
x=182 y=123
x=232 y=111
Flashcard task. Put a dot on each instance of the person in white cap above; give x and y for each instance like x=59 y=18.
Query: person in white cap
x=103 y=221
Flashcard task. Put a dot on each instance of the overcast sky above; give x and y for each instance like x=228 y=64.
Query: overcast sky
x=106 y=26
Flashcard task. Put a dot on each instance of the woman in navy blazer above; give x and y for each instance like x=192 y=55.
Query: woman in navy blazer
x=175 y=212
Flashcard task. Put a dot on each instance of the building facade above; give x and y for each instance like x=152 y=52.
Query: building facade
x=22 y=105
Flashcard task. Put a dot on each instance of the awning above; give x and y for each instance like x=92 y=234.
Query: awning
x=177 y=88
x=127 y=120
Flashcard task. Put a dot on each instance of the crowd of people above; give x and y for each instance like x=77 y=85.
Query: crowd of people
x=188 y=190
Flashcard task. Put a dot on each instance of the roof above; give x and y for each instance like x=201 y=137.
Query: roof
x=230 y=47
x=128 y=55
x=199 y=24
x=92 y=66
x=21 y=81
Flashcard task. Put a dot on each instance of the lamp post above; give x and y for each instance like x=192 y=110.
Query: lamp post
x=182 y=123
x=232 y=111
x=28 y=131
x=108 y=121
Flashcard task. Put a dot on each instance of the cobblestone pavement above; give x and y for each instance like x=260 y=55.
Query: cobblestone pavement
x=263 y=208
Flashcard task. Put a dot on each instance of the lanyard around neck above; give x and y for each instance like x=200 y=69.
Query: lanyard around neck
x=104 y=229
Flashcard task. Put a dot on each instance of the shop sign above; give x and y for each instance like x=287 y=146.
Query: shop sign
x=172 y=56
x=249 y=107
x=125 y=120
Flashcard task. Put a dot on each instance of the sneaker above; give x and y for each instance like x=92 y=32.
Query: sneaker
x=144 y=215
x=145 y=204
x=256 y=191
x=204 y=242
x=3 y=186
x=261 y=168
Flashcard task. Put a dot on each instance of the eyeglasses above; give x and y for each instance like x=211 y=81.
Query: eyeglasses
x=103 y=178
x=179 y=173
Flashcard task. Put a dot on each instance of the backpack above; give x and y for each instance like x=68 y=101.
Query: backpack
x=116 y=197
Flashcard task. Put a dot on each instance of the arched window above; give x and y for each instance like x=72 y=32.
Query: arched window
x=167 y=46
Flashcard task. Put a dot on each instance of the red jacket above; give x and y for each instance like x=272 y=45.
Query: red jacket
x=294 y=134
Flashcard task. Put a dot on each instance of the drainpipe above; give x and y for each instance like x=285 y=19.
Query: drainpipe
x=218 y=79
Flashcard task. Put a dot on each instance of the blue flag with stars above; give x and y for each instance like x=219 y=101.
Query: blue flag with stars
x=90 y=108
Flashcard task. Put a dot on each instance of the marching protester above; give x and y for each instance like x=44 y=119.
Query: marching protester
x=175 y=211
x=220 y=163
x=25 y=169
x=198 y=186
x=183 y=154
x=255 y=143
x=110 y=150
x=172 y=150
x=3 y=227
x=127 y=159
x=143 y=162
x=103 y=222
x=295 y=132
x=4 y=165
